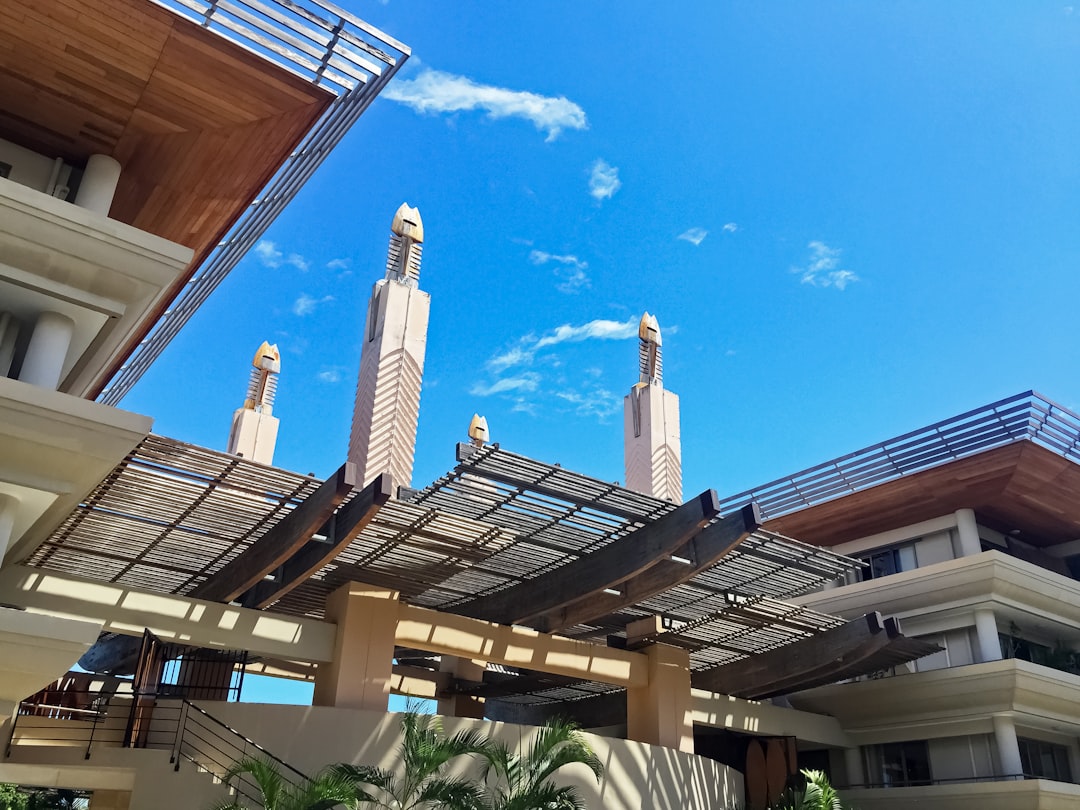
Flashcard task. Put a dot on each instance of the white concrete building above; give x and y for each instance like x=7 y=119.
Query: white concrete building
x=969 y=531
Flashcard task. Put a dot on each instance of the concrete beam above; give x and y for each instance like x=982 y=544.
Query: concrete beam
x=177 y=618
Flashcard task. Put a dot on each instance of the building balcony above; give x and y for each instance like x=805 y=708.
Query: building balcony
x=100 y=278
x=950 y=702
x=958 y=586
x=988 y=793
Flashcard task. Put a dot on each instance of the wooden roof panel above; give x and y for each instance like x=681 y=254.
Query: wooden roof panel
x=179 y=106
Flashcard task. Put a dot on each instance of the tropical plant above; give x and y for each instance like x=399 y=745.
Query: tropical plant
x=11 y=798
x=523 y=782
x=817 y=795
x=324 y=791
x=425 y=752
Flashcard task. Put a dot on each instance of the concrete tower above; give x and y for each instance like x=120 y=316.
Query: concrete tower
x=254 y=427
x=392 y=359
x=652 y=447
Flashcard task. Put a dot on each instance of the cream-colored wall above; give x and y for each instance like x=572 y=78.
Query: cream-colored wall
x=638 y=776
x=153 y=782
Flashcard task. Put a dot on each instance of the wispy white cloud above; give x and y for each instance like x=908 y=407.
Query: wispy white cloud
x=526 y=381
x=823 y=268
x=305 y=304
x=593 y=330
x=569 y=268
x=596 y=402
x=330 y=375
x=338 y=264
x=514 y=356
x=267 y=253
x=270 y=255
x=730 y=227
x=603 y=180
x=694 y=236
x=514 y=373
x=435 y=91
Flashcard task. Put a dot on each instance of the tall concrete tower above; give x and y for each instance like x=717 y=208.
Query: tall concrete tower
x=652 y=447
x=254 y=427
x=392 y=359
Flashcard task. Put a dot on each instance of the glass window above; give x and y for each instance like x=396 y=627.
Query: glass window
x=888 y=561
x=899 y=764
x=1045 y=760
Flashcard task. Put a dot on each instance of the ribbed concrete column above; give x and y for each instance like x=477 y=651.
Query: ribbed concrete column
x=968 y=532
x=987 y=633
x=359 y=676
x=98 y=184
x=45 y=354
x=853 y=764
x=1008 y=747
x=9 y=505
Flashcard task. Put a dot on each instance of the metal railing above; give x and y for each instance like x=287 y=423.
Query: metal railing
x=329 y=47
x=212 y=746
x=1006 y=777
x=92 y=720
x=1027 y=416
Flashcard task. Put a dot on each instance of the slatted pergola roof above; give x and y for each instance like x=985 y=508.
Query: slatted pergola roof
x=173 y=517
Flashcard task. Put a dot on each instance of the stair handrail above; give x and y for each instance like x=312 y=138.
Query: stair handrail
x=226 y=734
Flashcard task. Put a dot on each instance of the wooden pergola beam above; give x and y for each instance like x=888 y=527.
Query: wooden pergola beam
x=340 y=530
x=603 y=568
x=281 y=542
x=699 y=553
x=802 y=663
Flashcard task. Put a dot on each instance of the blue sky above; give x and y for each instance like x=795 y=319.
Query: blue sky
x=851 y=220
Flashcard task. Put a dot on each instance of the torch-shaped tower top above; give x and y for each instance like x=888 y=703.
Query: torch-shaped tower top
x=650 y=362
x=406 y=245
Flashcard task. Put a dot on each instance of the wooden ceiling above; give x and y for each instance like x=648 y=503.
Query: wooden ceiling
x=198 y=124
x=1019 y=486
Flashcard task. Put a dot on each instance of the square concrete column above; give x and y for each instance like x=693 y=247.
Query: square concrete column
x=660 y=713
x=359 y=676
x=462 y=705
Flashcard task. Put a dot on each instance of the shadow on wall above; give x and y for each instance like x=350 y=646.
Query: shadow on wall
x=637 y=776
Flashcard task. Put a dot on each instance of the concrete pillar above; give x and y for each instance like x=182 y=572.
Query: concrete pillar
x=987 y=633
x=9 y=332
x=853 y=764
x=110 y=800
x=98 y=184
x=9 y=507
x=968 y=532
x=660 y=713
x=1007 y=745
x=43 y=363
x=7 y=723
x=462 y=705
x=359 y=676
x=652 y=443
